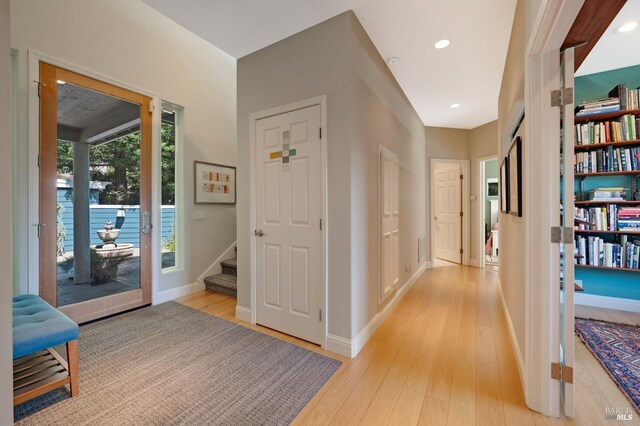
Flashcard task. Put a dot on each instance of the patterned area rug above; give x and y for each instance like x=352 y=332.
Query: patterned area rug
x=170 y=364
x=617 y=347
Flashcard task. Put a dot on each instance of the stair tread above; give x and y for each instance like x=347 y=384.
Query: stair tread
x=230 y=263
x=222 y=280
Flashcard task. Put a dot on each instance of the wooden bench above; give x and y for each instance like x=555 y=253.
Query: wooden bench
x=37 y=367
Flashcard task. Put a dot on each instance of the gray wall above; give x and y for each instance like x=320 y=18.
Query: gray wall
x=462 y=144
x=6 y=262
x=129 y=41
x=366 y=107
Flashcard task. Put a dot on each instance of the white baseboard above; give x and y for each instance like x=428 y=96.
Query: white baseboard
x=365 y=334
x=513 y=337
x=428 y=265
x=243 y=314
x=474 y=262
x=339 y=345
x=617 y=303
x=174 y=293
x=215 y=267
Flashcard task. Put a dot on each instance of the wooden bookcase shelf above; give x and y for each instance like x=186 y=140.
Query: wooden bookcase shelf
x=590 y=147
x=626 y=172
x=596 y=231
x=605 y=116
x=609 y=268
x=603 y=203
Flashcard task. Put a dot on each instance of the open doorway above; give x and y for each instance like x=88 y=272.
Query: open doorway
x=489 y=206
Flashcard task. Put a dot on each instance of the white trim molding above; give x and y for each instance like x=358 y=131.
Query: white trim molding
x=339 y=345
x=617 y=303
x=512 y=335
x=365 y=334
x=216 y=266
x=243 y=313
x=174 y=293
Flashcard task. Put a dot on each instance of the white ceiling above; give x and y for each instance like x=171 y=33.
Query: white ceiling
x=468 y=72
x=614 y=49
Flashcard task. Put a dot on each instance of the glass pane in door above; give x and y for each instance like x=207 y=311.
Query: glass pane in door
x=98 y=195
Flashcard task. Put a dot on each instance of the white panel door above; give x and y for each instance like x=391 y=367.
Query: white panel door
x=447 y=201
x=289 y=290
x=390 y=223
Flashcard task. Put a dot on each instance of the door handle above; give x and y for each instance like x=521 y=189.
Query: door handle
x=146 y=223
x=258 y=233
x=435 y=218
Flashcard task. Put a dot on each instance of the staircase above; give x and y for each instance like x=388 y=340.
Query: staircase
x=227 y=281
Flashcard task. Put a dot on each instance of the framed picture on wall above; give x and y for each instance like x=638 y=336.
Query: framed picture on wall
x=515 y=177
x=504 y=185
x=492 y=187
x=214 y=183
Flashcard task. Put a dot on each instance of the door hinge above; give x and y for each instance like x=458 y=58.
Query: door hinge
x=561 y=372
x=461 y=177
x=320 y=132
x=38 y=160
x=152 y=107
x=562 y=235
x=461 y=214
x=320 y=223
x=461 y=251
x=319 y=314
x=38 y=83
x=562 y=97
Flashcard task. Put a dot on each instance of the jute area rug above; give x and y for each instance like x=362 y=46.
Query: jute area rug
x=173 y=365
x=617 y=347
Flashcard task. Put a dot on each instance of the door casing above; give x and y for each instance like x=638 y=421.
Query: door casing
x=253 y=118
x=466 y=222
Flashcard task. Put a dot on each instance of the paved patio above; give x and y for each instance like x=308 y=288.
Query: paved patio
x=128 y=279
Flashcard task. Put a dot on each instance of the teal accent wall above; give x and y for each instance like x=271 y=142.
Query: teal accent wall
x=612 y=283
x=598 y=85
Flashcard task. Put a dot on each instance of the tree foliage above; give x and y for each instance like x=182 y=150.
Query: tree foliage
x=118 y=164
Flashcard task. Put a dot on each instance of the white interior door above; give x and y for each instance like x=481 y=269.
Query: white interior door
x=390 y=222
x=289 y=290
x=447 y=208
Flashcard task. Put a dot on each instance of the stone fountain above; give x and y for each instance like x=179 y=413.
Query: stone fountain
x=109 y=248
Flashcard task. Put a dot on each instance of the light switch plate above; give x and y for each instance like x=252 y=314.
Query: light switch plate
x=198 y=215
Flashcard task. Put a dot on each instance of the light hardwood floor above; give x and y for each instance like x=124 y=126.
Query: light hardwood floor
x=441 y=357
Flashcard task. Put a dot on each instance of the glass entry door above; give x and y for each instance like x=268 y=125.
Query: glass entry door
x=95 y=195
x=566 y=349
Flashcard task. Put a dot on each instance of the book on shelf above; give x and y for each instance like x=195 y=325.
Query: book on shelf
x=629 y=219
x=595 y=251
x=623 y=129
x=620 y=92
x=609 y=159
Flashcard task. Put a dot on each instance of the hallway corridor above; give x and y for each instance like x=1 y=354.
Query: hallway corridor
x=441 y=357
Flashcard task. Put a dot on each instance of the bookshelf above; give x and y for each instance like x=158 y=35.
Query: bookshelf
x=607 y=166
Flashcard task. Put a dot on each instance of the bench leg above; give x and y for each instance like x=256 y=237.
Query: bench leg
x=72 y=357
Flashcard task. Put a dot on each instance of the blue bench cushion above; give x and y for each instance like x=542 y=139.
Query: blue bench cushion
x=38 y=326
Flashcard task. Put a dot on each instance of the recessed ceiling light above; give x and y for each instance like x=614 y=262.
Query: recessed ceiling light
x=455 y=105
x=393 y=60
x=629 y=26
x=62 y=82
x=442 y=44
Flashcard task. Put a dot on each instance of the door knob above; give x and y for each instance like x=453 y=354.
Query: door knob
x=435 y=218
x=258 y=233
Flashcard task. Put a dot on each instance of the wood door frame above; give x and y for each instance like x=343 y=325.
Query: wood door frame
x=35 y=58
x=253 y=119
x=466 y=207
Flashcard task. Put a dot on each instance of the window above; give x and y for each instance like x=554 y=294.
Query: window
x=169 y=222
